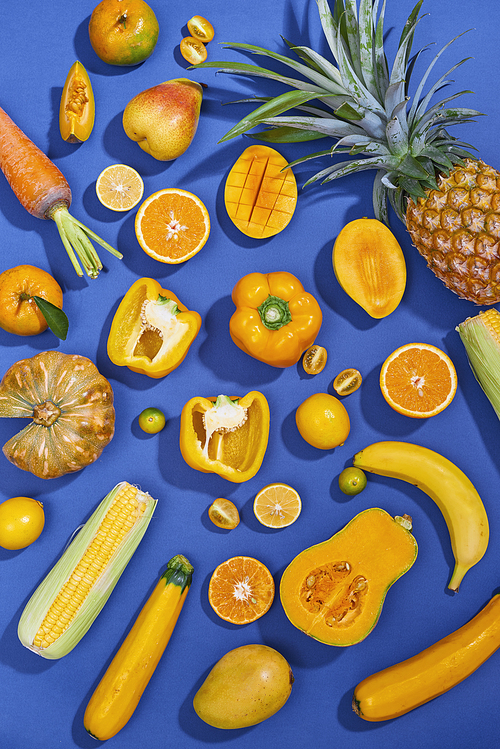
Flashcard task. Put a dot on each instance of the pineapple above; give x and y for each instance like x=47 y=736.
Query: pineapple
x=448 y=199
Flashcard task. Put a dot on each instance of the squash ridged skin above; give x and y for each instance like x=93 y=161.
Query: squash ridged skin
x=405 y=686
x=122 y=686
x=360 y=544
x=67 y=390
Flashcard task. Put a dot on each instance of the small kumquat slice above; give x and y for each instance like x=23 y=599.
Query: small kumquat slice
x=193 y=50
x=119 y=187
x=347 y=381
x=418 y=380
x=224 y=514
x=201 y=29
x=241 y=590
x=314 y=360
x=277 y=505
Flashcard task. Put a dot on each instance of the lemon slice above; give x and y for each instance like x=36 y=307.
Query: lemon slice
x=277 y=505
x=119 y=187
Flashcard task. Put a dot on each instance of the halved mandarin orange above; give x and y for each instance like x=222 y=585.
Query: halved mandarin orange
x=277 y=505
x=260 y=193
x=172 y=225
x=241 y=590
x=418 y=380
x=119 y=187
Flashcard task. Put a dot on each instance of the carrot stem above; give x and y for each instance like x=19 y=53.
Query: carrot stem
x=76 y=238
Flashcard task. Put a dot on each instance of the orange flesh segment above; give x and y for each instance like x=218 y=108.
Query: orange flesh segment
x=241 y=590
x=260 y=198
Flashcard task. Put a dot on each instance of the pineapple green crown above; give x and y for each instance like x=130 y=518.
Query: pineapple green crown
x=365 y=105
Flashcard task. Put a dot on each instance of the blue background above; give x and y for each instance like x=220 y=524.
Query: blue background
x=42 y=702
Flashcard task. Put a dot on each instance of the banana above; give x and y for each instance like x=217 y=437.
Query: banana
x=447 y=485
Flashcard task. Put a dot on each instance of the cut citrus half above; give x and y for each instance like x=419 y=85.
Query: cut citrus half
x=241 y=590
x=172 y=225
x=418 y=380
x=119 y=187
x=277 y=505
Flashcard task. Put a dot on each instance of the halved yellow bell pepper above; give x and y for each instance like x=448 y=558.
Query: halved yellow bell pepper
x=151 y=331
x=224 y=435
x=275 y=319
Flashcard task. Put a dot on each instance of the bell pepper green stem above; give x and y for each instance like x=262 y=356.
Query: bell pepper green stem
x=274 y=313
x=169 y=303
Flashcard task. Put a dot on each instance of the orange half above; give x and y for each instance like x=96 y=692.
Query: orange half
x=241 y=590
x=277 y=505
x=418 y=380
x=172 y=225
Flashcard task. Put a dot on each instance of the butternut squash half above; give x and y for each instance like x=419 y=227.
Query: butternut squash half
x=334 y=591
x=370 y=266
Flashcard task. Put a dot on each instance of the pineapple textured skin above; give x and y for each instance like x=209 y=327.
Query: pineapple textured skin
x=457 y=230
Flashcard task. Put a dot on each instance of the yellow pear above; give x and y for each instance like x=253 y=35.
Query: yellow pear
x=163 y=119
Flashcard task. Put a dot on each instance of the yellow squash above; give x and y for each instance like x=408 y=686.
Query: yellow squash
x=334 y=591
x=400 y=688
x=122 y=686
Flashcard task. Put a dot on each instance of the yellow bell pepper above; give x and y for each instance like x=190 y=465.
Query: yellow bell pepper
x=151 y=331
x=275 y=319
x=224 y=435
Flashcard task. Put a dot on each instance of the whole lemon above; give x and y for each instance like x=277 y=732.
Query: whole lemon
x=21 y=522
x=123 y=32
x=323 y=421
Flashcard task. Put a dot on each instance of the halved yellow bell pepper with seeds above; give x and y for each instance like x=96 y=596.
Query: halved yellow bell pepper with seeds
x=275 y=319
x=226 y=436
x=260 y=197
x=151 y=331
x=77 y=108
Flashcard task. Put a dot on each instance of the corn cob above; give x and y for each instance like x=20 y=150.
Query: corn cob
x=65 y=604
x=481 y=338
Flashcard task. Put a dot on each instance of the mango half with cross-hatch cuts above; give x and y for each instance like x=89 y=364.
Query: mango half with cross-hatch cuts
x=260 y=193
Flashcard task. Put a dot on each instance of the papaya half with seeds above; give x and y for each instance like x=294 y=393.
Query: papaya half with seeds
x=334 y=591
x=370 y=266
x=77 y=108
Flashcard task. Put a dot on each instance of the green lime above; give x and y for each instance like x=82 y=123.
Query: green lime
x=152 y=420
x=352 y=480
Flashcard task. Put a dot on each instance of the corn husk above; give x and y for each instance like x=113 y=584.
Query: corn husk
x=481 y=338
x=49 y=589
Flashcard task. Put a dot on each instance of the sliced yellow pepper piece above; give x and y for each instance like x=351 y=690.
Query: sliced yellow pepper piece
x=226 y=436
x=151 y=331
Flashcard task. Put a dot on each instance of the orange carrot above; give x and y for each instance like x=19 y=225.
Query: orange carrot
x=42 y=189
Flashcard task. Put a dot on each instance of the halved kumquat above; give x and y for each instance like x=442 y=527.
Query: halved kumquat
x=418 y=380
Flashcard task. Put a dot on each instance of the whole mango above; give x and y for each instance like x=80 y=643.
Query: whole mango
x=245 y=687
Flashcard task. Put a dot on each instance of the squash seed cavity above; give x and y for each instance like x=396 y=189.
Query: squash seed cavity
x=334 y=593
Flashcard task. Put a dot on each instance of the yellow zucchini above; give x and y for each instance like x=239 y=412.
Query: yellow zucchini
x=400 y=688
x=122 y=686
